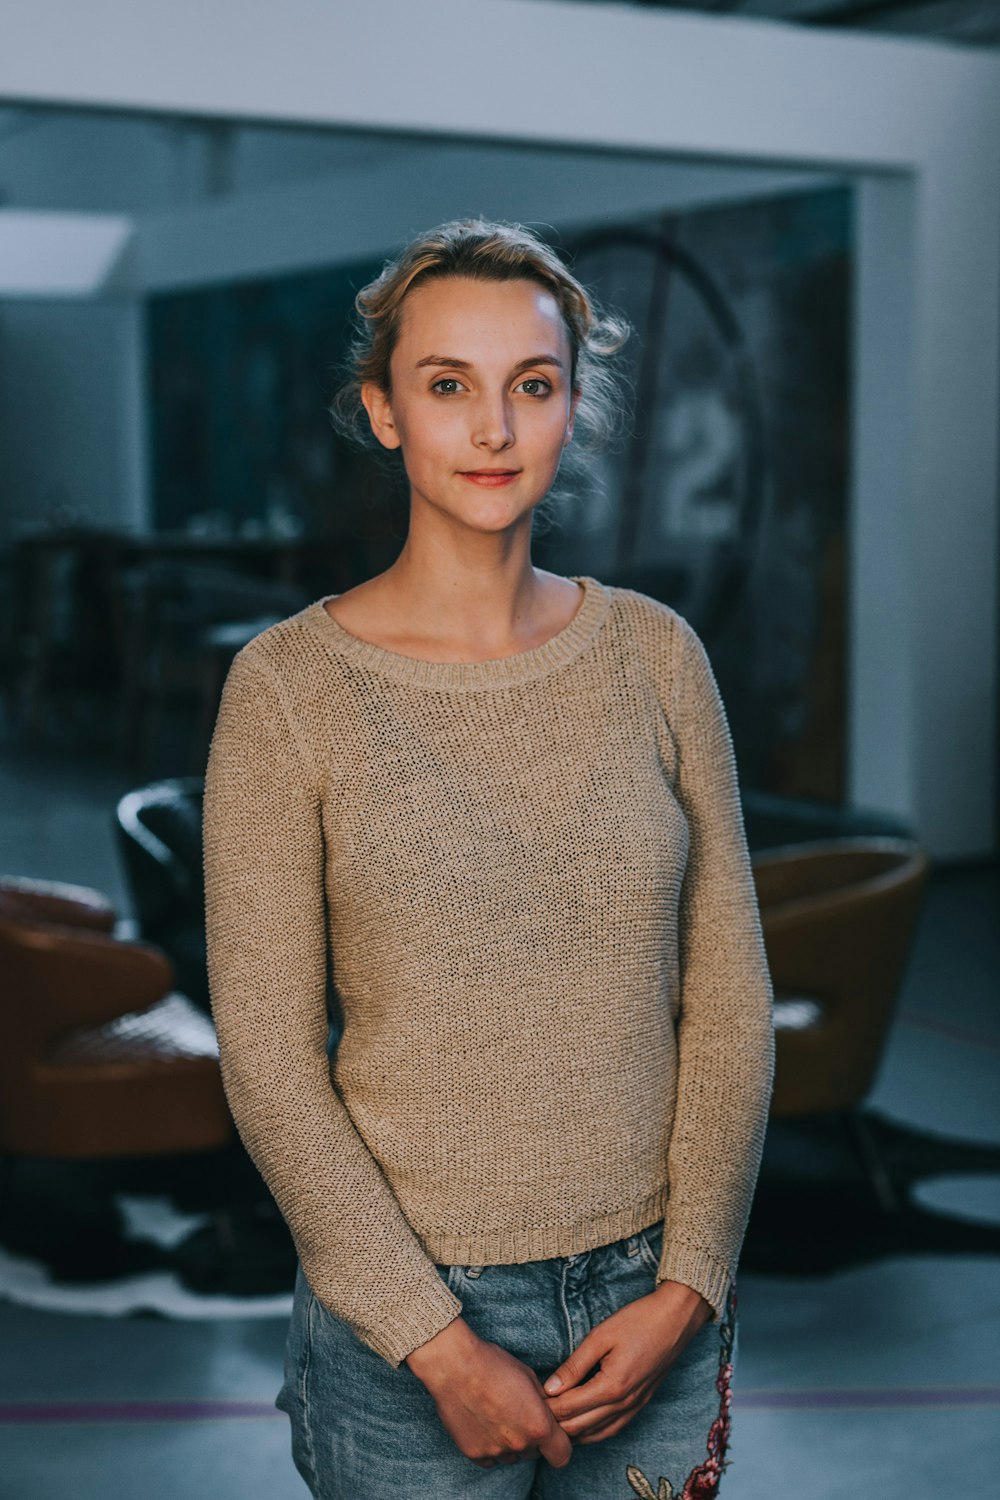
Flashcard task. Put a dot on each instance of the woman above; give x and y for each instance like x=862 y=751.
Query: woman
x=491 y=814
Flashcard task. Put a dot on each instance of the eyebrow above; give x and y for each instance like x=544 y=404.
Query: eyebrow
x=463 y=364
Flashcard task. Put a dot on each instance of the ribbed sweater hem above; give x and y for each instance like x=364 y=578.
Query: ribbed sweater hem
x=696 y=1267
x=406 y=1326
x=543 y=1241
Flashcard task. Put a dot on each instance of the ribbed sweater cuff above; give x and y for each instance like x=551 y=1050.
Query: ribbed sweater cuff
x=696 y=1267
x=407 y=1325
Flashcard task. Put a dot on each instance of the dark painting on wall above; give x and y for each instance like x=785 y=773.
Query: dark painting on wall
x=726 y=497
x=729 y=498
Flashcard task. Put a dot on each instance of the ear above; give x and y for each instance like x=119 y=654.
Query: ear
x=379 y=409
x=574 y=400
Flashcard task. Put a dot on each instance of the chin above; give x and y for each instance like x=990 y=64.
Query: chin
x=489 y=509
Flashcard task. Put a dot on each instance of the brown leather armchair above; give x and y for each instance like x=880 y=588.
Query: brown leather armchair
x=99 y=1056
x=838 y=919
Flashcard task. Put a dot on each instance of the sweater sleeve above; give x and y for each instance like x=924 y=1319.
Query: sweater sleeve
x=725 y=1026
x=267 y=962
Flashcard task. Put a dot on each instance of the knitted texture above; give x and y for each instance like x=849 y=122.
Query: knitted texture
x=524 y=884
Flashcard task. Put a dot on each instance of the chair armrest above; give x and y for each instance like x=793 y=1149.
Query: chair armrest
x=23 y=899
x=832 y=870
x=64 y=978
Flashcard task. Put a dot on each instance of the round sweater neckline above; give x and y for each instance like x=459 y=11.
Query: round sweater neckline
x=500 y=671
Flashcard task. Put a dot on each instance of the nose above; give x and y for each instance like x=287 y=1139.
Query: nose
x=493 y=427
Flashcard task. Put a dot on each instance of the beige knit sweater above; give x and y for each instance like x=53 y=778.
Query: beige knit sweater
x=526 y=882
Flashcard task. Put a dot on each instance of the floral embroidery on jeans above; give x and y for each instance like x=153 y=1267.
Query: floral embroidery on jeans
x=703 y=1481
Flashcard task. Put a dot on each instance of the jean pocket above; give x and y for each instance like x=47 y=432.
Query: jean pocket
x=651 y=1246
x=298 y=1345
x=452 y=1276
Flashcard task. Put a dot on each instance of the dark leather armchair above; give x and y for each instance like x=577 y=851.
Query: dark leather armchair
x=158 y=834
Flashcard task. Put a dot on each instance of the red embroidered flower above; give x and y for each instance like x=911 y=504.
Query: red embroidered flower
x=702 y=1483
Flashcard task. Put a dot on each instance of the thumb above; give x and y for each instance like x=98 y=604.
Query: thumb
x=580 y=1362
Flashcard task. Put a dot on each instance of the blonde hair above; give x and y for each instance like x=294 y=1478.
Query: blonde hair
x=486 y=250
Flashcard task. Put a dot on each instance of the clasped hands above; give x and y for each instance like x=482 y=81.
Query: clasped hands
x=497 y=1410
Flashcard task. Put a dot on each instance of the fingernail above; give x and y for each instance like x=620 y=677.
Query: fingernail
x=553 y=1384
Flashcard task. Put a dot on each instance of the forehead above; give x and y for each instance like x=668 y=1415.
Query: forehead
x=466 y=318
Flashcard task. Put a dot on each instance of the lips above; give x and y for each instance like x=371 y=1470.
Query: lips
x=490 y=477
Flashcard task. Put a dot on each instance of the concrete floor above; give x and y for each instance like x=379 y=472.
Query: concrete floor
x=879 y=1381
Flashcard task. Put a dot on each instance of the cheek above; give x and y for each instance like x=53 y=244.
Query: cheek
x=549 y=427
x=437 y=425
x=429 y=436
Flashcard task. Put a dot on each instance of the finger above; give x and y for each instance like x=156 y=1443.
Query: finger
x=588 y=1421
x=599 y=1390
x=608 y=1430
x=583 y=1359
x=557 y=1448
x=608 y=1421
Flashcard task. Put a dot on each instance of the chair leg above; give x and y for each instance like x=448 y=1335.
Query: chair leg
x=224 y=1223
x=864 y=1144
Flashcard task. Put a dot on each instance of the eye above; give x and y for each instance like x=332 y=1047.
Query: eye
x=537 y=380
x=445 y=380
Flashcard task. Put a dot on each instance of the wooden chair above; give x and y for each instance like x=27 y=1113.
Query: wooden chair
x=838 y=919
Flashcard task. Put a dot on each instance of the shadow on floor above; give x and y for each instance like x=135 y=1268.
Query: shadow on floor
x=815 y=1212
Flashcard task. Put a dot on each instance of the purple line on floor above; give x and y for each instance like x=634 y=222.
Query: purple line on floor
x=870 y=1396
x=214 y=1411
x=133 y=1411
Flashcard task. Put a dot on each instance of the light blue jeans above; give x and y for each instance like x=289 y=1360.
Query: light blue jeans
x=364 y=1431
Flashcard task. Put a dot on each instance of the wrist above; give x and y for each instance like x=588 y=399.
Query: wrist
x=432 y=1360
x=679 y=1294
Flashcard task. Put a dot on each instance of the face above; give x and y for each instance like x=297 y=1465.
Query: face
x=481 y=403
